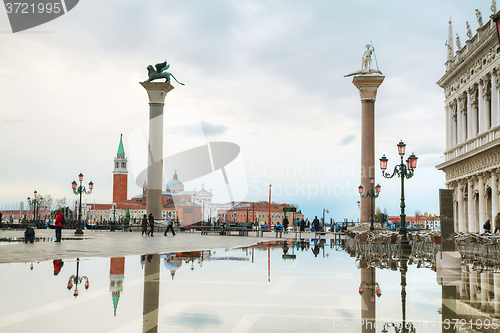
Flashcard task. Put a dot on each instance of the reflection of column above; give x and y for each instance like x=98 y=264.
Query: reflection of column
x=496 y=292
x=156 y=93
x=367 y=86
x=449 y=307
x=367 y=306
x=485 y=290
x=473 y=287
x=151 y=293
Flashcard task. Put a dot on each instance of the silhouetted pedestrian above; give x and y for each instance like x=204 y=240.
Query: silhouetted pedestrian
x=151 y=224
x=144 y=224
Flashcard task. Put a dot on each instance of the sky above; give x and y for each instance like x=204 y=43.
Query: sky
x=267 y=76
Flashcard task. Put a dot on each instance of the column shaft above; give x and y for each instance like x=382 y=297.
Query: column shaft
x=482 y=204
x=470 y=206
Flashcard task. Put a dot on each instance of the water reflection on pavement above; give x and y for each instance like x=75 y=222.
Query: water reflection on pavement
x=279 y=286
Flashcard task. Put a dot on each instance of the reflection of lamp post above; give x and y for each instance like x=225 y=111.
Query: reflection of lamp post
x=76 y=279
x=404 y=327
x=372 y=194
x=36 y=201
x=403 y=171
x=79 y=190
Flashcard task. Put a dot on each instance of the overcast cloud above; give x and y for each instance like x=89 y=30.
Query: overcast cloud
x=266 y=75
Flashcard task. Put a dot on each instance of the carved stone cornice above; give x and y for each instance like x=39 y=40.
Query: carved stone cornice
x=474 y=167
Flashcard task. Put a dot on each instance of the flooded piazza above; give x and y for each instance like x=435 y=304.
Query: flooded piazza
x=278 y=286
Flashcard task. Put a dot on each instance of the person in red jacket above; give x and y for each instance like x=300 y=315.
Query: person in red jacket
x=59 y=226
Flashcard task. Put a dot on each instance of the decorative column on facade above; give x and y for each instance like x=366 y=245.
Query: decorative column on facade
x=462 y=102
x=473 y=93
x=460 y=199
x=482 y=202
x=494 y=194
x=448 y=124
x=494 y=99
x=480 y=99
x=474 y=281
x=487 y=102
x=470 y=205
x=454 y=141
x=458 y=108
x=470 y=117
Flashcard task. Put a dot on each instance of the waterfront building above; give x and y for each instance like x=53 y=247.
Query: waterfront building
x=471 y=87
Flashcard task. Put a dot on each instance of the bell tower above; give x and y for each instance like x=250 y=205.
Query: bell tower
x=120 y=175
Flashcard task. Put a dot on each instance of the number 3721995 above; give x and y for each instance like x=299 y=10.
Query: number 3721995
x=463 y=324
x=25 y=8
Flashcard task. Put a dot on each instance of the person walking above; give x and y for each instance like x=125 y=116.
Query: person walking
x=302 y=225
x=151 y=224
x=170 y=225
x=487 y=226
x=285 y=225
x=497 y=223
x=144 y=224
x=316 y=224
x=59 y=226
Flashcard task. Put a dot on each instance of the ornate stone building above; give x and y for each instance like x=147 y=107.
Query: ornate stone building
x=472 y=106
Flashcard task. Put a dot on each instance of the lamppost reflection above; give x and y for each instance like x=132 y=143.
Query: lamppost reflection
x=76 y=279
x=404 y=327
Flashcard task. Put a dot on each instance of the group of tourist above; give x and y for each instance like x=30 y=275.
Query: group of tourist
x=151 y=221
x=487 y=225
x=300 y=224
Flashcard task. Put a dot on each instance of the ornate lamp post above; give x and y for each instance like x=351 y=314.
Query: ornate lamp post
x=403 y=171
x=325 y=210
x=35 y=202
x=372 y=194
x=79 y=190
x=76 y=279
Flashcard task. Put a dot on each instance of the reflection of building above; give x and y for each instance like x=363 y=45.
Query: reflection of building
x=116 y=276
x=472 y=107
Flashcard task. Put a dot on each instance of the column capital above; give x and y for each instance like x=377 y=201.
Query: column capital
x=157 y=91
x=367 y=86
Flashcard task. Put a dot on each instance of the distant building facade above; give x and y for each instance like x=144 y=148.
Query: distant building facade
x=472 y=107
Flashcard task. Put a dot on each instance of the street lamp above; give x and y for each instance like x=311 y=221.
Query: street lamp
x=372 y=194
x=36 y=201
x=403 y=171
x=79 y=190
x=76 y=279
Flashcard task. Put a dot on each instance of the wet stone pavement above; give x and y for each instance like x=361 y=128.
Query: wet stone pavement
x=111 y=244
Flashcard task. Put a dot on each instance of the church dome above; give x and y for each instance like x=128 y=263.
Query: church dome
x=175 y=185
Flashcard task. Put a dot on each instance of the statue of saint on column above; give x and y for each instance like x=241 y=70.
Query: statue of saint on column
x=366 y=63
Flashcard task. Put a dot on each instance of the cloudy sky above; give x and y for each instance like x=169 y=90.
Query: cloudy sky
x=265 y=75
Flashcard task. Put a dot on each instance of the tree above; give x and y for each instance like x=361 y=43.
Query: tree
x=378 y=214
x=418 y=214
